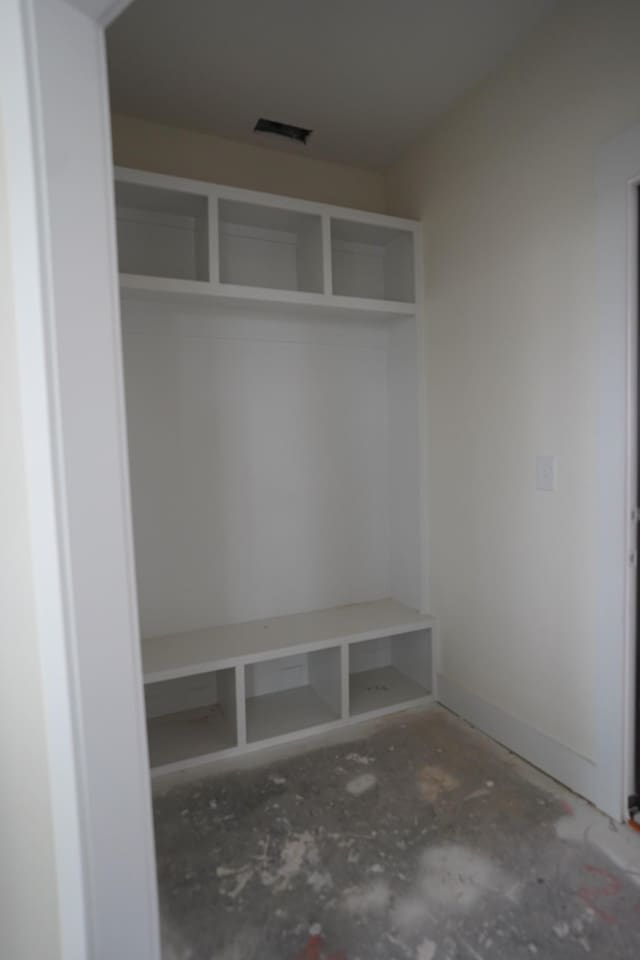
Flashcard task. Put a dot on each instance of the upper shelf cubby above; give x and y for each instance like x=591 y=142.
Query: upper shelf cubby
x=185 y=238
x=372 y=261
x=263 y=246
x=161 y=232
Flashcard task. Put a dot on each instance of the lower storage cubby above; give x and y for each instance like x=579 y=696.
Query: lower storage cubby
x=292 y=693
x=191 y=716
x=297 y=674
x=389 y=671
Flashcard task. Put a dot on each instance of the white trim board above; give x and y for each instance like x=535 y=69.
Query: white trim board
x=549 y=755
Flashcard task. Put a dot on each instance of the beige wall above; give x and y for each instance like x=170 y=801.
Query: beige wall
x=507 y=187
x=187 y=153
x=28 y=907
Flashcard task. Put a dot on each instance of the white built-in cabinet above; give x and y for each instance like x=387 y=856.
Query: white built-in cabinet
x=275 y=406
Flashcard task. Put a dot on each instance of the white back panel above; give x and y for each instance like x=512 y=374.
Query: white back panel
x=263 y=246
x=258 y=261
x=259 y=463
x=369 y=654
x=370 y=260
x=271 y=676
x=162 y=232
x=411 y=654
x=184 y=693
x=160 y=247
x=358 y=271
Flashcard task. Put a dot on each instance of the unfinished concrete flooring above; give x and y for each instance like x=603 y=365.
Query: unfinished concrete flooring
x=420 y=840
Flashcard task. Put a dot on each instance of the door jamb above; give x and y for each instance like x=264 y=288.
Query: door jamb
x=619 y=176
x=633 y=504
x=54 y=111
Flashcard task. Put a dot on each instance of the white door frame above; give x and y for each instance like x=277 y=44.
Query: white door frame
x=56 y=137
x=619 y=176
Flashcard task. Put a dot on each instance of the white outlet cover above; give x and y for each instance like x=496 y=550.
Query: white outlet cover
x=546 y=473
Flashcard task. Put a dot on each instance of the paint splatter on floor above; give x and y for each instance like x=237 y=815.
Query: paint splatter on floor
x=426 y=950
x=442 y=850
x=361 y=784
x=433 y=781
x=366 y=900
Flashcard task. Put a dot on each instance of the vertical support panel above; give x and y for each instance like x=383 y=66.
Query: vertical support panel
x=405 y=503
x=423 y=419
x=436 y=660
x=202 y=241
x=214 y=239
x=327 y=271
x=241 y=705
x=344 y=676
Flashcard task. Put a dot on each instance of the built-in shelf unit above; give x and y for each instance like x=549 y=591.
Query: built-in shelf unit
x=275 y=407
x=247 y=684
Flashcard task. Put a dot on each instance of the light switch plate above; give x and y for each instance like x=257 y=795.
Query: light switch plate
x=546 y=473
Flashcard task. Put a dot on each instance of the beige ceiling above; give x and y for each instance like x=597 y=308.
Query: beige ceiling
x=368 y=76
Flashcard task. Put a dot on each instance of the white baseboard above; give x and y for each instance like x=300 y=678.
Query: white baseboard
x=549 y=755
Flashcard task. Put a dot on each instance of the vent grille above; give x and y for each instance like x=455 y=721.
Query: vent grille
x=299 y=134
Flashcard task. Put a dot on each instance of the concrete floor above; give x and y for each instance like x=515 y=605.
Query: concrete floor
x=421 y=839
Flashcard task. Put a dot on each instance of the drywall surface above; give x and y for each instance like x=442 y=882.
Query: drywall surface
x=186 y=153
x=28 y=907
x=507 y=187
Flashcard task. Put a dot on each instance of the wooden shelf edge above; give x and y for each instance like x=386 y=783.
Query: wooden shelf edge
x=143 y=287
x=212 y=663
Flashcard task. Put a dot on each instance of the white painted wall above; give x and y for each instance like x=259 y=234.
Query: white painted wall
x=28 y=898
x=507 y=187
x=143 y=145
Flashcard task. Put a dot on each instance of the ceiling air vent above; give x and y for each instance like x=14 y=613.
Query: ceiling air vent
x=283 y=130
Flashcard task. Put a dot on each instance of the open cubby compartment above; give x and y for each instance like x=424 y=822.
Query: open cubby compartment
x=292 y=693
x=371 y=261
x=161 y=232
x=389 y=671
x=264 y=246
x=191 y=716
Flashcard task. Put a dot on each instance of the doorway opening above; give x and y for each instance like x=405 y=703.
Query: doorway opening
x=634 y=798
